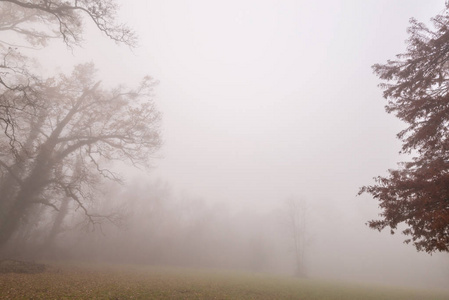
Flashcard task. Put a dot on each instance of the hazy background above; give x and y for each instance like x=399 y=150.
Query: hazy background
x=264 y=100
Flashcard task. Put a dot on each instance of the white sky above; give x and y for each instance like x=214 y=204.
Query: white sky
x=262 y=100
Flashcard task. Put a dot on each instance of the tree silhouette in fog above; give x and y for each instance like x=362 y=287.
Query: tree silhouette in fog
x=60 y=134
x=33 y=24
x=416 y=85
x=76 y=127
x=294 y=218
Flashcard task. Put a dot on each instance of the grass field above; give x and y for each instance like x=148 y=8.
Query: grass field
x=139 y=282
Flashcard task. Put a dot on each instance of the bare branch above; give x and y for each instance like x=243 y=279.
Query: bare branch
x=11 y=172
x=45 y=202
x=68 y=13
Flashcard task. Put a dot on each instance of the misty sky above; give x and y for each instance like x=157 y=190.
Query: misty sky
x=262 y=100
x=266 y=99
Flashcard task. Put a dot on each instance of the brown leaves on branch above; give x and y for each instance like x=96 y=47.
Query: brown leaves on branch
x=416 y=86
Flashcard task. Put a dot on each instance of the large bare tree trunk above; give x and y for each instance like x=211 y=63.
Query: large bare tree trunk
x=12 y=209
x=30 y=189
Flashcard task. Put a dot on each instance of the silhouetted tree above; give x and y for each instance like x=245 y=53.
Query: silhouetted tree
x=77 y=128
x=416 y=86
x=58 y=134
x=294 y=220
x=34 y=23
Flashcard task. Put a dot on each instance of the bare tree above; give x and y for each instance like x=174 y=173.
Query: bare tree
x=33 y=23
x=294 y=218
x=77 y=129
x=60 y=134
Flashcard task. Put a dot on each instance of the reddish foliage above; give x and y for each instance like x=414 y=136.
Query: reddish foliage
x=416 y=86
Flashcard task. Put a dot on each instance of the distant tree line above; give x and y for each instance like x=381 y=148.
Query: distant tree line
x=160 y=227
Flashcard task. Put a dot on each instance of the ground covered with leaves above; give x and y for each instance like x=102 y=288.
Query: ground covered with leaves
x=17 y=266
x=74 y=281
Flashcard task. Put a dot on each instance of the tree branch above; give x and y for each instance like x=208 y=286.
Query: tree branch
x=11 y=172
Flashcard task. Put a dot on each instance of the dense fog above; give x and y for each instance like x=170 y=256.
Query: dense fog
x=271 y=121
x=154 y=224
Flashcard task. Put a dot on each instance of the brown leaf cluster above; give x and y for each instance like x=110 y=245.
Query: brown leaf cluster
x=416 y=86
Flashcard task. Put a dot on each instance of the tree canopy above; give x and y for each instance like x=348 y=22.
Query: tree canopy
x=416 y=85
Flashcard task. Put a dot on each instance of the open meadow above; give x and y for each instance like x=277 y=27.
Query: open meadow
x=74 y=281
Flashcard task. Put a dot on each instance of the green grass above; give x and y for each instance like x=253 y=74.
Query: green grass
x=70 y=281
